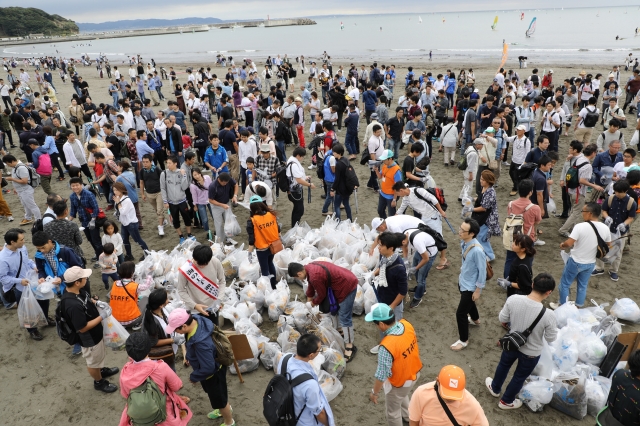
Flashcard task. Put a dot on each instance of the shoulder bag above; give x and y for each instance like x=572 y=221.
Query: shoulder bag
x=602 y=248
x=513 y=341
x=445 y=407
x=489 y=267
x=329 y=304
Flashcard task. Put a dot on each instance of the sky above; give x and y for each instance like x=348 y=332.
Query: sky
x=94 y=11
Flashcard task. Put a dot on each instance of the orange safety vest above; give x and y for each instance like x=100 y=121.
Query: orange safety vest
x=123 y=307
x=387 y=181
x=265 y=230
x=406 y=356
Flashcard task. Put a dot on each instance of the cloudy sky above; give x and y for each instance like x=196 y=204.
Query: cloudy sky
x=95 y=11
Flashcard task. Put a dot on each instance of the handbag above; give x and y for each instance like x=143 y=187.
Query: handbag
x=276 y=246
x=73 y=118
x=10 y=296
x=4 y=183
x=329 y=304
x=514 y=340
x=445 y=407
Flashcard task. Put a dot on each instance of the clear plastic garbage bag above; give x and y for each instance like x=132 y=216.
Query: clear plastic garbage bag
x=30 y=314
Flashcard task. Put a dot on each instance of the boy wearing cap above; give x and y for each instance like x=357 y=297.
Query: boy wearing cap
x=388 y=175
x=428 y=400
x=520 y=312
x=80 y=311
x=399 y=363
x=201 y=354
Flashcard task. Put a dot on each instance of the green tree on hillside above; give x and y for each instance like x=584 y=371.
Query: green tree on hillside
x=20 y=22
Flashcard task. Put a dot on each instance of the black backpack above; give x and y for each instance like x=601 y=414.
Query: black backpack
x=282 y=180
x=277 y=402
x=38 y=226
x=592 y=117
x=440 y=244
x=64 y=328
x=350 y=178
x=525 y=171
x=573 y=176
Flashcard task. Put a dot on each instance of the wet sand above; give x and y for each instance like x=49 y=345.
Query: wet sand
x=43 y=384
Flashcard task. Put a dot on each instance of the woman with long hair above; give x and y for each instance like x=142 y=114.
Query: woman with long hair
x=485 y=212
x=76 y=115
x=127 y=216
x=179 y=98
x=200 y=193
x=163 y=346
x=263 y=230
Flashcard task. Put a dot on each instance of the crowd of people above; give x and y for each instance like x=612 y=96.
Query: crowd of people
x=223 y=140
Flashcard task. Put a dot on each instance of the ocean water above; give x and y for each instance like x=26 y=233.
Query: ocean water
x=578 y=35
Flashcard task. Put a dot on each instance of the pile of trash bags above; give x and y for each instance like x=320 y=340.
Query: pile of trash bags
x=566 y=376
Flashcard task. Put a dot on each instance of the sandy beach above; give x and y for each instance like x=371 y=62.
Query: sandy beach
x=43 y=384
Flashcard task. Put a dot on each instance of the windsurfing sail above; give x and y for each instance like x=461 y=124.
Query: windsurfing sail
x=495 y=23
x=420 y=19
x=505 y=54
x=532 y=28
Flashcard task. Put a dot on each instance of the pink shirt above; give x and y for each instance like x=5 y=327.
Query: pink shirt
x=201 y=196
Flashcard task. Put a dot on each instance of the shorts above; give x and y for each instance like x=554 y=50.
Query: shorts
x=216 y=388
x=95 y=355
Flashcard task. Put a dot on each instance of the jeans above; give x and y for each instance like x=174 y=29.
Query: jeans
x=105 y=279
x=159 y=90
x=532 y=134
x=385 y=203
x=511 y=256
x=297 y=199
x=373 y=181
x=142 y=97
x=115 y=100
x=463 y=146
x=421 y=274
x=204 y=218
x=466 y=306
x=350 y=143
x=525 y=366
x=483 y=239
x=267 y=268
x=329 y=199
x=281 y=145
x=395 y=146
x=133 y=231
x=581 y=272
x=345 y=313
x=340 y=200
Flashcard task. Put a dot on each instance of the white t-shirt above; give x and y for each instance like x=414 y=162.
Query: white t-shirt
x=584 y=249
x=328 y=114
x=354 y=94
x=249 y=192
x=401 y=223
x=295 y=171
x=422 y=242
x=376 y=146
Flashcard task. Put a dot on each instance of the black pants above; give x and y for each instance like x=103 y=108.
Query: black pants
x=178 y=210
x=216 y=388
x=63 y=158
x=28 y=152
x=367 y=115
x=339 y=122
x=248 y=118
x=93 y=236
x=87 y=172
x=466 y=306
x=566 y=201
x=56 y=163
x=7 y=102
x=7 y=132
x=267 y=268
x=553 y=140
x=298 y=206
x=194 y=218
x=513 y=173
x=629 y=99
x=159 y=157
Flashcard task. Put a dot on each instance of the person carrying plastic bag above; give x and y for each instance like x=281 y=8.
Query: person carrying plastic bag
x=524 y=313
x=15 y=267
x=221 y=191
x=79 y=311
x=263 y=230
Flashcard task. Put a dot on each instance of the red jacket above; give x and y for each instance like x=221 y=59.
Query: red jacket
x=343 y=281
x=547 y=80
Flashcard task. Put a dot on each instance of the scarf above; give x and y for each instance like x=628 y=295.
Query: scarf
x=384 y=261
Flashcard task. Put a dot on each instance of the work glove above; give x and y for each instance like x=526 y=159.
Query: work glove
x=622 y=228
x=504 y=283
x=608 y=221
x=178 y=339
x=92 y=223
x=411 y=271
x=424 y=179
x=104 y=309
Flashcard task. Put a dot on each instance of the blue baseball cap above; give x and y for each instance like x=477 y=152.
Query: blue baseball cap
x=379 y=312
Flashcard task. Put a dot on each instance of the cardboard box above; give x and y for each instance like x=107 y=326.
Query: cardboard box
x=632 y=340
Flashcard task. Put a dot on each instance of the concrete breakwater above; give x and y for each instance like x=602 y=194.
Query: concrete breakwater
x=155 y=31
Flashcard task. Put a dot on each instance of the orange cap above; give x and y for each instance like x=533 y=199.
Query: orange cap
x=452 y=382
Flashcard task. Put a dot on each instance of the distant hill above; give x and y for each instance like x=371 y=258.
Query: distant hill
x=20 y=22
x=136 y=24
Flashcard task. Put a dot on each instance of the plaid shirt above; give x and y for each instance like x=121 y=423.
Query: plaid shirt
x=384 y=356
x=204 y=111
x=269 y=166
x=131 y=147
x=78 y=205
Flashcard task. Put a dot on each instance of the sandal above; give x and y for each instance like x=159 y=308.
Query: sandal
x=458 y=346
x=186 y=399
x=353 y=350
x=443 y=266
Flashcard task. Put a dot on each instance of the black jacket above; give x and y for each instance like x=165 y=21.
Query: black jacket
x=340 y=182
x=176 y=134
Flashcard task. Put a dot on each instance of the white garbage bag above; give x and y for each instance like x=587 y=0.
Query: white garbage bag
x=592 y=350
x=331 y=385
x=626 y=309
x=565 y=312
x=536 y=394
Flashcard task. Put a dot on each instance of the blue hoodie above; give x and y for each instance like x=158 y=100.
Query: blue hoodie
x=65 y=259
x=201 y=352
x=41 y=150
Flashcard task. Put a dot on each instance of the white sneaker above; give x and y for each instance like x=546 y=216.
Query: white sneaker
x=506 y=163
x=538 y=243
x=311 y=167
x=160 y=230
x=554 y=306
x=374 y=350
x=515 y=404
x=488 y=382
x=10 y=218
